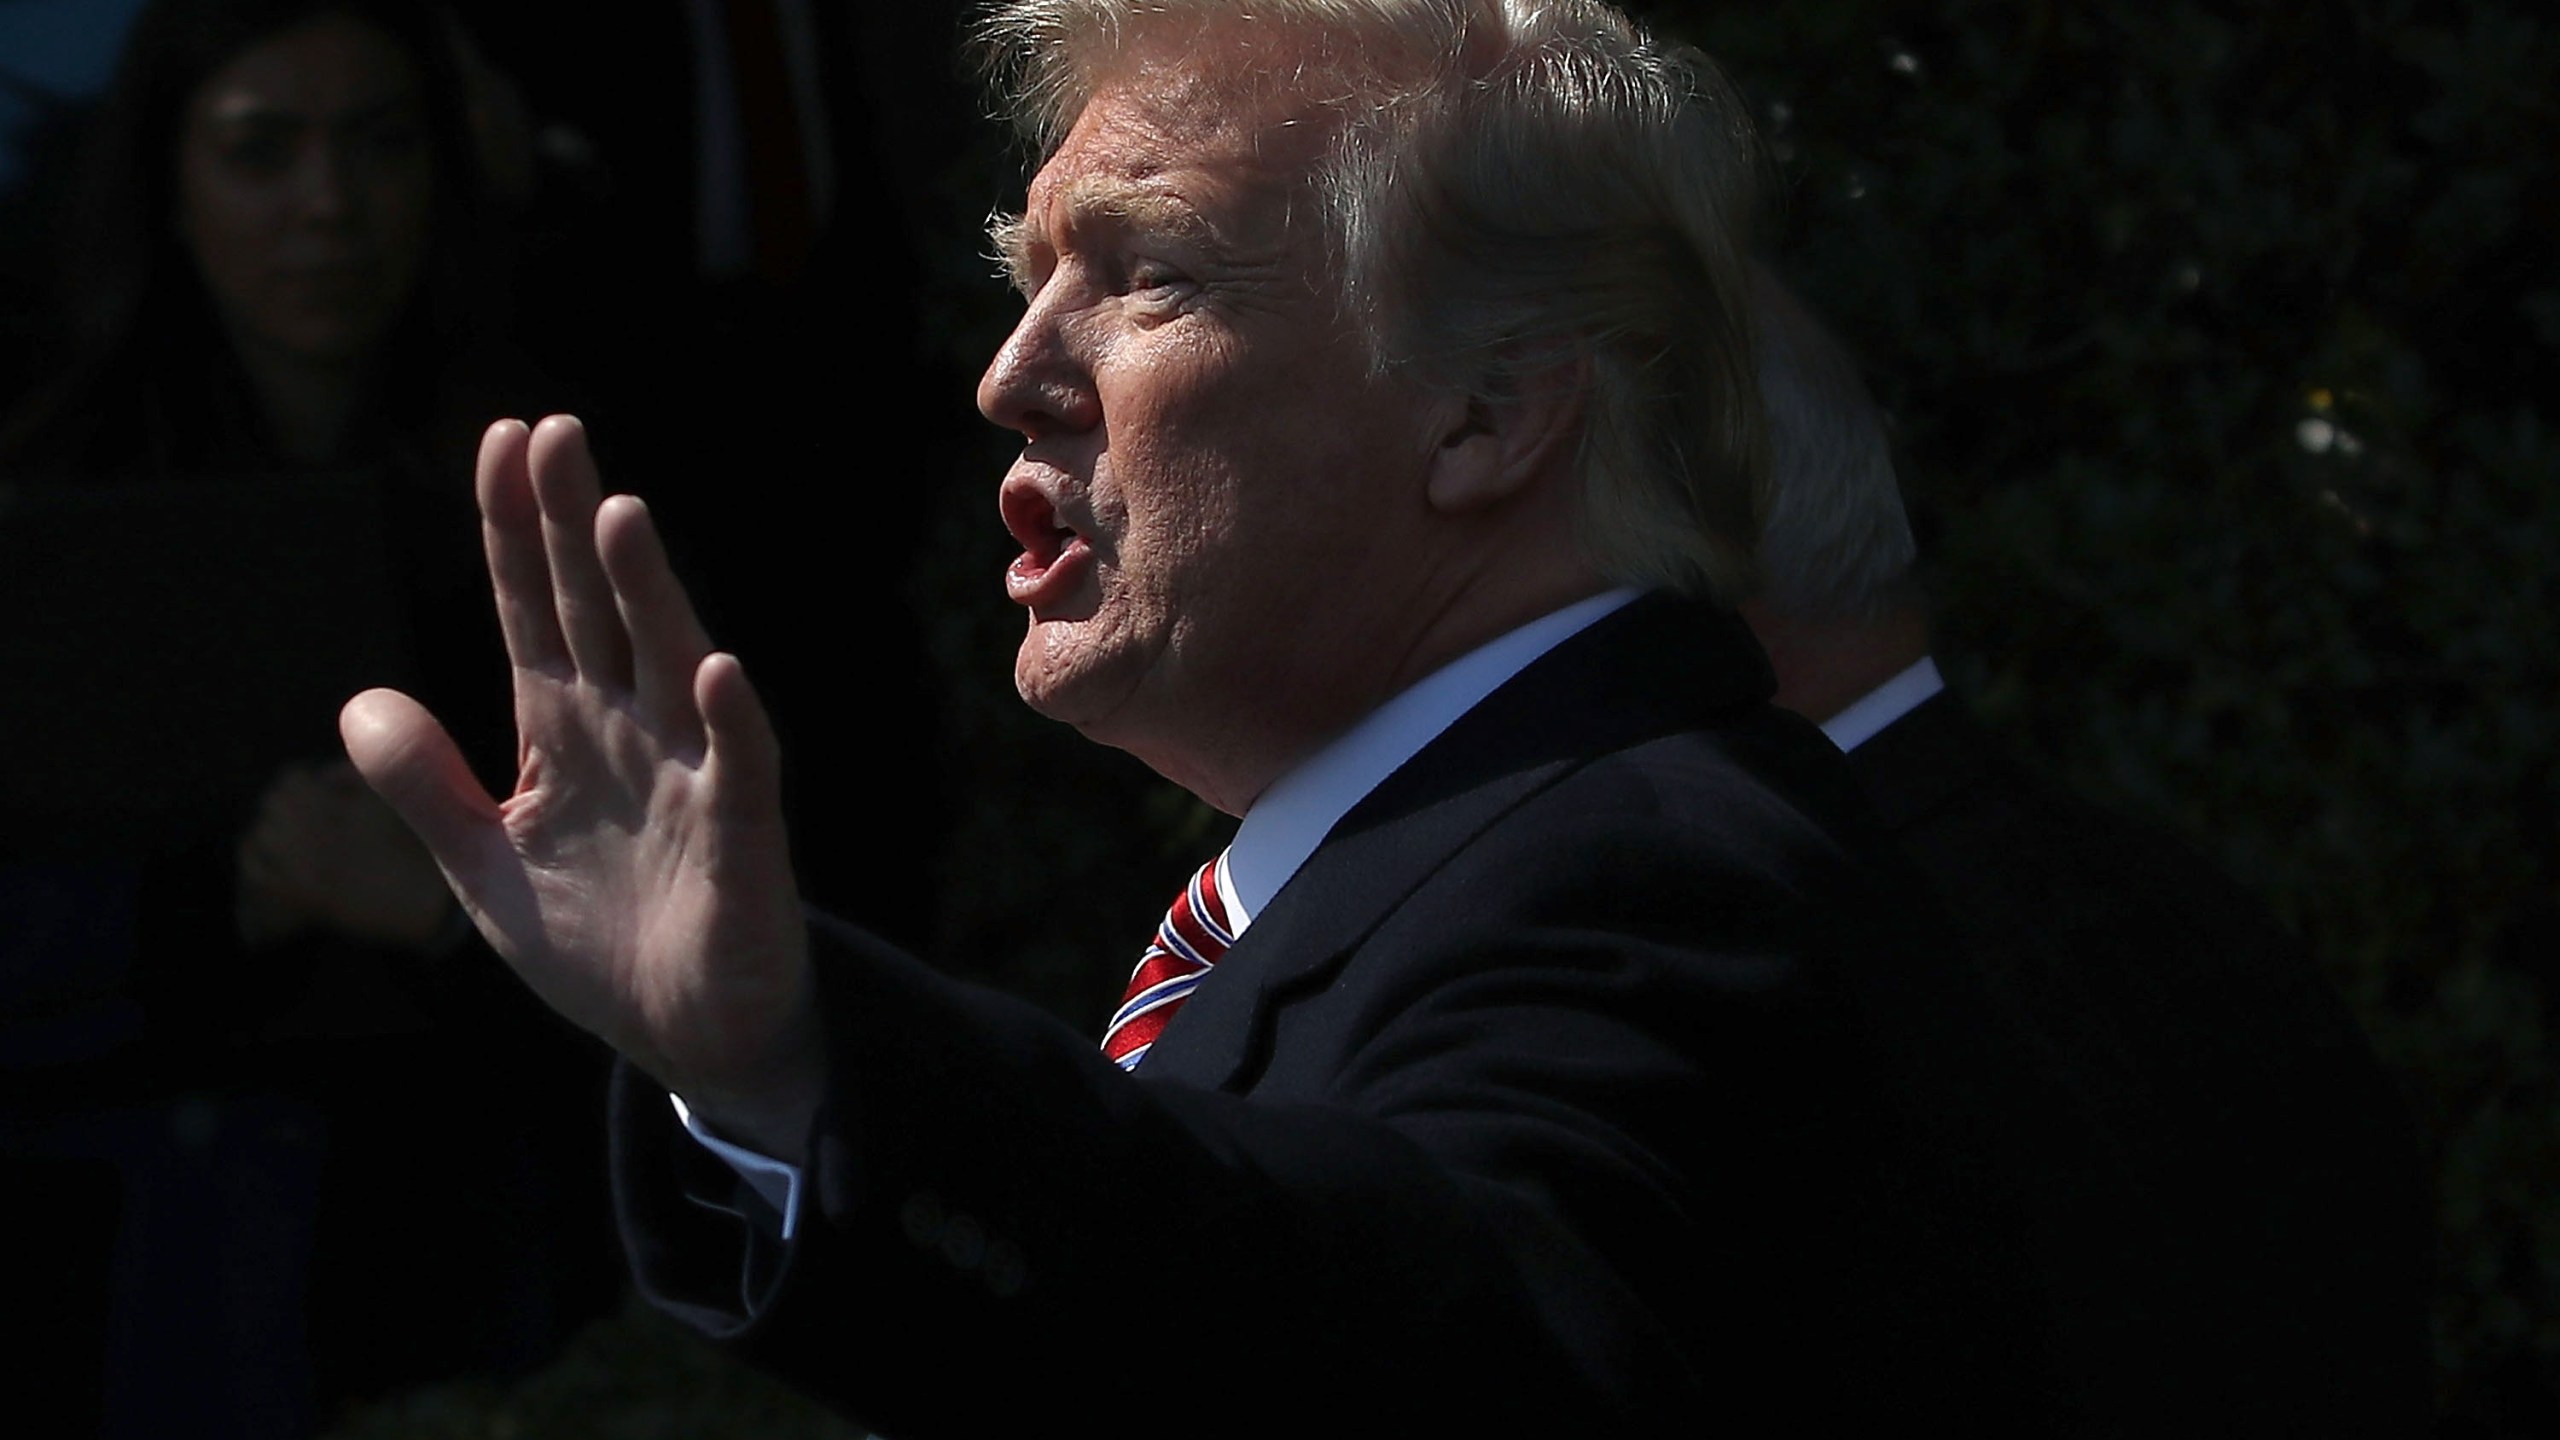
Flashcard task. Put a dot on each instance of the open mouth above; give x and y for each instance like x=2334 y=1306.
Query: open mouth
x=1054 y=553
x=1036 y=528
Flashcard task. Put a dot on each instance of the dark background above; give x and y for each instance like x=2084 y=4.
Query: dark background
x=2219 y=340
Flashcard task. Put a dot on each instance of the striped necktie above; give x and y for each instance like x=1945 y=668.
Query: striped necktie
x=1194 y=936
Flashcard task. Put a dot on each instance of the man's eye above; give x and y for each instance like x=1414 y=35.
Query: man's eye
x=1154 y=282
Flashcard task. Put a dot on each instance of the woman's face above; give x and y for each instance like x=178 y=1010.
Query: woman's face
x=305 y=177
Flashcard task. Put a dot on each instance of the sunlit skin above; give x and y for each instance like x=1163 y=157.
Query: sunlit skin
x=1230 y=545
x=636 y=874
x=305 y=181
x=1236 y=539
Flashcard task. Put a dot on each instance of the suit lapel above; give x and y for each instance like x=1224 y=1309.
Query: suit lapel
x=1659 y=666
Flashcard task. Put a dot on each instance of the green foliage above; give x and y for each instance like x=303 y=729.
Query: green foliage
x=2218 y=338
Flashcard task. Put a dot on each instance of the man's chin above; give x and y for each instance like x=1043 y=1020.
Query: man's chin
x=1062 y=677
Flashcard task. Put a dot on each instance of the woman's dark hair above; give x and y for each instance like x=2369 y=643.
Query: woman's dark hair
x=133 y=307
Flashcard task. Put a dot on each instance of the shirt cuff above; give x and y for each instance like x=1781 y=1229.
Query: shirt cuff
x=776 y=1182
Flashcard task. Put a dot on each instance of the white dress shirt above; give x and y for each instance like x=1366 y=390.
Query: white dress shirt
x=1286 y=823
x=1867 y=716
x=1290 y=819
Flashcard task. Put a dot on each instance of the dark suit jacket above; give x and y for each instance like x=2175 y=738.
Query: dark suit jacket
x=2263 y=1266
x=1588 y=1080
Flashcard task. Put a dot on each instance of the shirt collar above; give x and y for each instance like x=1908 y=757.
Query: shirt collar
x=1883 y=705
x=1292 y=817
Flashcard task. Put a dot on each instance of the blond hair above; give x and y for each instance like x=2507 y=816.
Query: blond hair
x=1511 y=184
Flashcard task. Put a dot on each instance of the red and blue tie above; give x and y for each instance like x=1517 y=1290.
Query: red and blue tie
x=1194 y=936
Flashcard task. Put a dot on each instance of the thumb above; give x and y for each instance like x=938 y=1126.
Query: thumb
x=412 y=764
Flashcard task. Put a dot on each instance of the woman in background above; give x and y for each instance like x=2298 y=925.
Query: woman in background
x=233 y=991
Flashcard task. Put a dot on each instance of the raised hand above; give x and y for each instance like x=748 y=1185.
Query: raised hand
x=638 y=877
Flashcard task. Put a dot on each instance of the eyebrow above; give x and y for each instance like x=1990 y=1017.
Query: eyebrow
x=1084 y=201
x=1144 y=209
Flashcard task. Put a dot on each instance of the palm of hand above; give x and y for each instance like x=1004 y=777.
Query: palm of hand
x=638 y=878
x=616 y=870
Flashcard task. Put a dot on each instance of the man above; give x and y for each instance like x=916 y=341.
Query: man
x=2264 y=1228
x=1551 y=1057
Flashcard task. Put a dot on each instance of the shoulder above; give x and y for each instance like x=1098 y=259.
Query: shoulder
x=1746 y=830
x=1674 y=993
x=2026 y=866
x=1712 y=882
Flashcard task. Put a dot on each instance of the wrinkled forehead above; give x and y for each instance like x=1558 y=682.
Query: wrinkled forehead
x=1167 y=125
x=1243 y=104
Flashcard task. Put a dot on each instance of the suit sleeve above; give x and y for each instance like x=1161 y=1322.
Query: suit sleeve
x=1543 y=1155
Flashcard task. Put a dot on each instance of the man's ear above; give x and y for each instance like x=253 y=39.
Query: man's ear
x=1513 y=427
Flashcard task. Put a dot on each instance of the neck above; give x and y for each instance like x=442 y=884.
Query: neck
x=1456 y=625
x=1825 y=666
x=1447 y=581
x=309 y=405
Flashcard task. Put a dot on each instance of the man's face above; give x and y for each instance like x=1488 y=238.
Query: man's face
x=1219 y=506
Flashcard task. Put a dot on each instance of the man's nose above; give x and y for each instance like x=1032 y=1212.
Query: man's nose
x=1035 y=384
